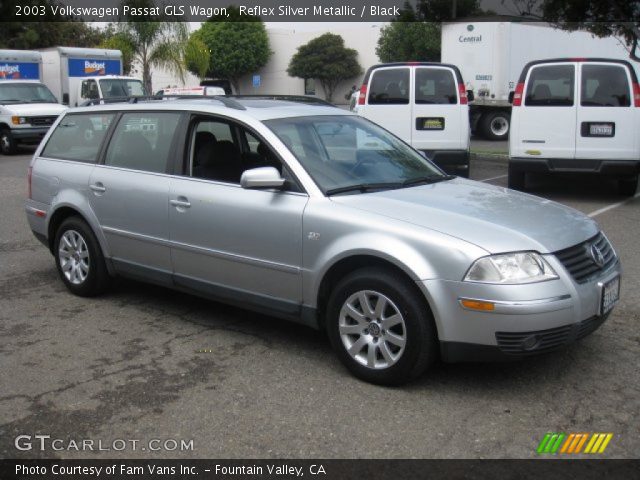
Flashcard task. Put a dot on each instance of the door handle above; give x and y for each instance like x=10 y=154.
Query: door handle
x=98 y=187
x=180 y=202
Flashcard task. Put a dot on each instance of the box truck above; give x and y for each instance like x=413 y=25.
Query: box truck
x=27 y=107
x=491 y=56
x=80 y=74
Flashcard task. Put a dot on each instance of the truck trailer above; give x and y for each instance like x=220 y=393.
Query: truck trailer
x=491 y=56
x=79 y=74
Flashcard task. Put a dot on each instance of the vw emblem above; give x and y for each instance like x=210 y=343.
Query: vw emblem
x=597 y=256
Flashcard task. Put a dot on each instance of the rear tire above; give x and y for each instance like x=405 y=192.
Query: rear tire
x=380 y=327
x=628 y=186
x=8 y=144
x=495 y=125
x=517 y=179
x=79 y=259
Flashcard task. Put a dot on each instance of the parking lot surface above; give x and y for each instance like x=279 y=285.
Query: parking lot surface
x=144 y=363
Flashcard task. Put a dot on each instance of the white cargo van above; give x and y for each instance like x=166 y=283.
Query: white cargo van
x=579 y=115
x=27 y=107
x=425 y=104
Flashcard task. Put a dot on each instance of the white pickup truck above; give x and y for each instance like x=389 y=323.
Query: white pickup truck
x=27 y=107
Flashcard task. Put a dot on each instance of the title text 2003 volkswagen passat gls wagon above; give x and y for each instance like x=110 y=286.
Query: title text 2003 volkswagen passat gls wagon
x=314 y=214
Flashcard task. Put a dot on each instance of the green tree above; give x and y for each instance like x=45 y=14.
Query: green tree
x=327 y=60
x=116 y=40
x=237 y=45
x=197 y=57
x=15 y=33
x=406 y=41
x=155 y=41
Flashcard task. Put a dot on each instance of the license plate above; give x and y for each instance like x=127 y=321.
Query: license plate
x=610 y=295
x=601 y=130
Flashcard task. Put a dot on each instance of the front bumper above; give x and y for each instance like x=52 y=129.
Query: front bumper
x=29 y=135
x=612 y=168
x=527 y=319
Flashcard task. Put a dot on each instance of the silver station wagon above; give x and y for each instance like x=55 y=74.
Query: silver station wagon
x=316 y=215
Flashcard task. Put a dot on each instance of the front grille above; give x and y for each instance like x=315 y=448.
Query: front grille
x=42 y=121
x=541 y=341
x=579 y=261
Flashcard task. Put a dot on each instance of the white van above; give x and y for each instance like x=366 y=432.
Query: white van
x=576 y=115
x=425 y=104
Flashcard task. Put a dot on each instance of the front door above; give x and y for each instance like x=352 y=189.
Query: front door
x=229 y=242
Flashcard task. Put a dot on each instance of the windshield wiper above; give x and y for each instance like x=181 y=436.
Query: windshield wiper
x=364 y=187
x=427 y=180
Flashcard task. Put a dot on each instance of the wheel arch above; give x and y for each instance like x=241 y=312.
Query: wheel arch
x=347 y=264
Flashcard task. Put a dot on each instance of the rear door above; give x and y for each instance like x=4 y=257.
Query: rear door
x=605 y=127
x=547 y=117
x=387 y=102
x=439 y=120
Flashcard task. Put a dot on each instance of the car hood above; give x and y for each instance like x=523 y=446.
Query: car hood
x=34 y=109
x=494 y=218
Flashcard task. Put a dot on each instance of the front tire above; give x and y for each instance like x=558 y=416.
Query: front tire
x=79 y=258
x=8 y=144
x=380 y=327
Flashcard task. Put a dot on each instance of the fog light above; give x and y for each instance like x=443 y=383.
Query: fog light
x=477 y=305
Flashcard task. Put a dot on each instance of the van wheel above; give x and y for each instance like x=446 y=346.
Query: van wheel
x=628 y=186
x=495 y=125
x=7 y=143
x=380 y=327
x=516 y=179
x=79 y=259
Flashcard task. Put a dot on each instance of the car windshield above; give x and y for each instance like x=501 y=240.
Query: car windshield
x=349 y=154
x=121 y=88
x=25 y=93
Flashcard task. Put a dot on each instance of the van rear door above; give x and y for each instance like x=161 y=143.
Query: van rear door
x=606 y=127
x=387 y=102
x=546 y=120
x=439 y=121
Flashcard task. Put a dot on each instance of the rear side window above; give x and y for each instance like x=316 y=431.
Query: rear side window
x=389 y=87
x=551 y=86
x=78 y=137
x=435 y=86
x=142 y=141
x=604 y=86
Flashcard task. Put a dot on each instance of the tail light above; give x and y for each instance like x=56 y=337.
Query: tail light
x=29 y=173
x=636 y=95
x=363 y=94
x=517 y=96
x=462 y=90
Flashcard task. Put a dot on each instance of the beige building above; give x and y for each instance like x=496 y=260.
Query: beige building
x=284 y=40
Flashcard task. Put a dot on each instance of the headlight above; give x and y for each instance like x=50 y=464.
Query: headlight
x=19 y=120
x=511 y=268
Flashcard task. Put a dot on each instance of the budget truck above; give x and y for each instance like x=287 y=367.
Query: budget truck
x=27 y=107
x=77 y=75
x=491 y=56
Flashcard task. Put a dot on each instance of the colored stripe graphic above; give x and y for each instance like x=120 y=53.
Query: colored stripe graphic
x=573 y=443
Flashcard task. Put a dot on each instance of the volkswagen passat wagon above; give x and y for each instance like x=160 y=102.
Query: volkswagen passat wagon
x=317 y=215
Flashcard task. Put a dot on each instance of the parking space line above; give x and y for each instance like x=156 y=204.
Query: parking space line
x=612 y=206
x=492 y=178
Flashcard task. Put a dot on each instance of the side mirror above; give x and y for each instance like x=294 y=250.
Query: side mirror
x=262 y=177
x=511 y=93
x=470 y=96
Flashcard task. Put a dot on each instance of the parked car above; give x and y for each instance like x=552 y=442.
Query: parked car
x=317 y=215
x=425 y=104
x=576 y=116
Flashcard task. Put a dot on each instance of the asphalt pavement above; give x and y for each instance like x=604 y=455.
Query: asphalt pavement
x=145 y=363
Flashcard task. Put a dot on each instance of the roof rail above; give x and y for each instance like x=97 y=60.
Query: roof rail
x=290 y=98
x=227 y=102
